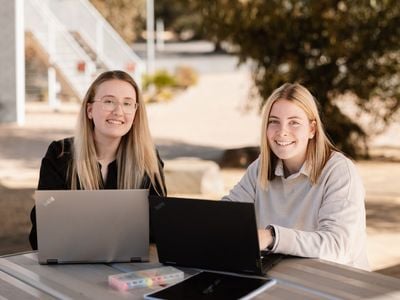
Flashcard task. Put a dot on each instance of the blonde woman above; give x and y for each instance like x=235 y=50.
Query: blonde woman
x=112 y=147
x=308 y=196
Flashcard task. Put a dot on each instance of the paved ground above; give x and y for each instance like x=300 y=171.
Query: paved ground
x=200 y=122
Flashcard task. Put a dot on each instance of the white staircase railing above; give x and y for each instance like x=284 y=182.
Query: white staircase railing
x=64 y=53
x=110 y=48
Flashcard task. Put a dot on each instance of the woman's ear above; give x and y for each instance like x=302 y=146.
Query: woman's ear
x=89 y=108
x=313 y=129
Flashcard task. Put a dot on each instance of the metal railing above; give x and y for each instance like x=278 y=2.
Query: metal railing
x=110 y=48
x=64 y=53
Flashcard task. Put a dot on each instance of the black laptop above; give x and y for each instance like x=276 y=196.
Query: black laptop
x=208 y=234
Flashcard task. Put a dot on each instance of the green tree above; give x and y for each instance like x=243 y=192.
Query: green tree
x=179 y=17
x=186 y=16
x=332 y=47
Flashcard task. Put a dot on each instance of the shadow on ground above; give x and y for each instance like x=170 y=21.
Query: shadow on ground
x=171 y=149
x=384 y=216
x=391 y=271
x=226 y=158
x=27 y=146
x=15 y=207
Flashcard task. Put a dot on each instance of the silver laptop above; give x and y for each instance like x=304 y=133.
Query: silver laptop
x=92 y=226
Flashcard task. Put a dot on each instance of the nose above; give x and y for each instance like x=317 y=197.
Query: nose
x=118 y=109
x=283 y=130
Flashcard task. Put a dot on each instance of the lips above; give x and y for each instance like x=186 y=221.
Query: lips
x=115 y=122
x=284 y=143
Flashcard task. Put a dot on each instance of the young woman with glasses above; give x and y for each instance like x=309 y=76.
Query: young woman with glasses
x=112 y=147
x=308 y=196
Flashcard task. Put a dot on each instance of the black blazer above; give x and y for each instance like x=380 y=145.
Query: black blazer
x=54 y=176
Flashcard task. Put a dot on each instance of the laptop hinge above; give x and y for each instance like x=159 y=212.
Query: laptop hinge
x=136 y=259
x=52 y=261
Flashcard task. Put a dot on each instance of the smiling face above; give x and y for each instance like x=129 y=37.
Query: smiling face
x=288 y=133
x=112 y=125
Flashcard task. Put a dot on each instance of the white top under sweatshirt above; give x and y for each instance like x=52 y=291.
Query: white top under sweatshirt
x=325 y=220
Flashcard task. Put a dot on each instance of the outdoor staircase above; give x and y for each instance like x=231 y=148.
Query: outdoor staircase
x=100 y=66
x=77 y=42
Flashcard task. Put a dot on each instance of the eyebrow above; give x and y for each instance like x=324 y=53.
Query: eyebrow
x=290 y=118
x=125 y=98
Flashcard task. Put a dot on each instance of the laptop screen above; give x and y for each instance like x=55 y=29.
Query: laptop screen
x=206 y=234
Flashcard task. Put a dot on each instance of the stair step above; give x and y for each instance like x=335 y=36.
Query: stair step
x=89 y=51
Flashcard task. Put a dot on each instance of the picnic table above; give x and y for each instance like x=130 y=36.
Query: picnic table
x=22 y=277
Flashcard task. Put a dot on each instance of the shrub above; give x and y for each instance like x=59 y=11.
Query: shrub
x=185 y=76
x=160 y=80
x=162 y=86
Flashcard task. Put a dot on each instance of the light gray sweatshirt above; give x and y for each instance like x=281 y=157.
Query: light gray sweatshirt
x=325 y=220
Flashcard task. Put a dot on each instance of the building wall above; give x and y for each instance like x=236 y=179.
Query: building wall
x=12 y=84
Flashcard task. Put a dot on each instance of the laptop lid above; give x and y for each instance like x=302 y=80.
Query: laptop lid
x=81 y=226
x=206 y=234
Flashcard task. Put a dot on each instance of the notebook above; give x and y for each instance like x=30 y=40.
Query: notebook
x=82 y=226
x=208 y=234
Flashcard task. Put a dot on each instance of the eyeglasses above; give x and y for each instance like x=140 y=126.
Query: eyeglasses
x=110 y=104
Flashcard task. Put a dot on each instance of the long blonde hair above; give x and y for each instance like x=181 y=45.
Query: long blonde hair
x=136 y=155
x=319 y=147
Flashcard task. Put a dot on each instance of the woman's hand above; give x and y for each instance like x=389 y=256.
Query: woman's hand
x=265 y=238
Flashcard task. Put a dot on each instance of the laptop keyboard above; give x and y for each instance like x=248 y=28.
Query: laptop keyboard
x=269 y=260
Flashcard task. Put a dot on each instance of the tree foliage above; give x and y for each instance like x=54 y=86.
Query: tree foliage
x=126 y=16
x=180 y=17
x=332 y=47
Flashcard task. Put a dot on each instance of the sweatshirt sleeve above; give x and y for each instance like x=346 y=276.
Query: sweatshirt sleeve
x=341 y=219
x=245 y=189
